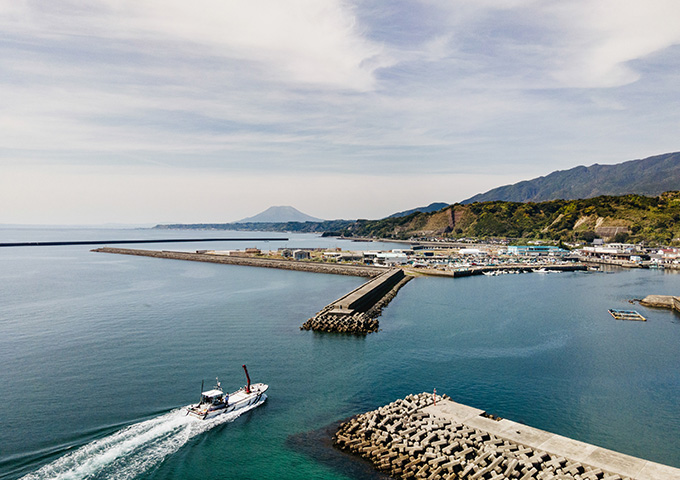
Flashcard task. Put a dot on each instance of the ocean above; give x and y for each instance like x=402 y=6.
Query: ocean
x=99 y=353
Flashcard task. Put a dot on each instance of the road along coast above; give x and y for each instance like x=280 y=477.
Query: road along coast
x=357 y=311
x=303 y=266
x=431 y=436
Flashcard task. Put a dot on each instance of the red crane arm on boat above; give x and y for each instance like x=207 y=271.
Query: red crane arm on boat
x=247 y=378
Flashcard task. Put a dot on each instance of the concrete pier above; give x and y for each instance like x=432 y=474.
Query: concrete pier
x=416 y=438
x=303 y=266
x=357 y=311
x=661 y=301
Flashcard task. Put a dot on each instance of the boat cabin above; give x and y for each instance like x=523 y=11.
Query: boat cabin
x=213 y=397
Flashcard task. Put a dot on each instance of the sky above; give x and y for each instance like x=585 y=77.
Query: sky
x=160 y=111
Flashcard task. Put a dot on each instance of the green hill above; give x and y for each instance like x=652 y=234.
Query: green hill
x=624 y=218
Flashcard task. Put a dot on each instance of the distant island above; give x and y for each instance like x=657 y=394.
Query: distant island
x=329 y=227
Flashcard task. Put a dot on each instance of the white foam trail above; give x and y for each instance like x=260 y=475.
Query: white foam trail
x=133 y=450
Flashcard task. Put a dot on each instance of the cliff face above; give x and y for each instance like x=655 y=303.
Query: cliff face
x=649 y=176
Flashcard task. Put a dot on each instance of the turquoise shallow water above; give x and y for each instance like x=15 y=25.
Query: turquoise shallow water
x=98 y=352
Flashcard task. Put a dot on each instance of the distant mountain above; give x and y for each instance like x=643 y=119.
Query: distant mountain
x=433 y=207
x=650 y=176
x=280 y=214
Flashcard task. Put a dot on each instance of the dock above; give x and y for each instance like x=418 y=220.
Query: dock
x=357 y=311
x=431 y=436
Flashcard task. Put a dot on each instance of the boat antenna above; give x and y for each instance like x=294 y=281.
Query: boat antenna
x=199 y=402
x=247 y=378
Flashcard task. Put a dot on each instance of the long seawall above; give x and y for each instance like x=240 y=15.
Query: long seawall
x=421 y=436
x=358 y=311
x=303 y=266
x=119 y=242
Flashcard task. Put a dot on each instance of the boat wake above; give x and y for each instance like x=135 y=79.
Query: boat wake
x=133 y=450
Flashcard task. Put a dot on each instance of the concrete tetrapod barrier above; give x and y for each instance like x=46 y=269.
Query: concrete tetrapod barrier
x=358 y=311
x=414 y=438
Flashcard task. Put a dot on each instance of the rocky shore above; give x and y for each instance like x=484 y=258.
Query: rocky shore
x=428 y=436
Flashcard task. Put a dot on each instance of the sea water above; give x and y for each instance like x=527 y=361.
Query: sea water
x=99 y=352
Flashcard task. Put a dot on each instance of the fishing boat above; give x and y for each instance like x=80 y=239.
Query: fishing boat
x=215 y=402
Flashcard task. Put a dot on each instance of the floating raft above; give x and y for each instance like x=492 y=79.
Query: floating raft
x=627 y=315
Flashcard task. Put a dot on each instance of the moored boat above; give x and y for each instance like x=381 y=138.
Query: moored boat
x=216 y=402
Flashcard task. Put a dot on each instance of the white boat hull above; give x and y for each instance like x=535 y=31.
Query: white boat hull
x=237 y=401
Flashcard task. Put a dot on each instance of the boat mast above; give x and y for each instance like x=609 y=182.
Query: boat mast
x=247 y=378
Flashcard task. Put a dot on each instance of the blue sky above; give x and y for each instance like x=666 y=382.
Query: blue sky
x=213 y=110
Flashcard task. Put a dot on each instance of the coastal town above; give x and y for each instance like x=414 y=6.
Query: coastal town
x=461 y=259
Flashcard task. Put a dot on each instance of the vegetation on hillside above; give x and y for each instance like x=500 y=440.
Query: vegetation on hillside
x=630 y=218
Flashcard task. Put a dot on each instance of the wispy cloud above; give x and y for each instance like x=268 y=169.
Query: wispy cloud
x=447 y=88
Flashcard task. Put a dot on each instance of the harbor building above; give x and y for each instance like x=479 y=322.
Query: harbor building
x=536 y=250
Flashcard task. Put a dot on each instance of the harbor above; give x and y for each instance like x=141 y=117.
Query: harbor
x=130 y=326
x=431 y=436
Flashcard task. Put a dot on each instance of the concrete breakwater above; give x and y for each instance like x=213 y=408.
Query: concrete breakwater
x=661 y=301
x=118 y=242
x=416 y=438
x=304 y=266
x=357 y=311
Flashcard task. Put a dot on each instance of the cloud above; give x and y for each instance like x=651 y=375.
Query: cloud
x=576 y=44
x=378 y=89
x=299 y=40
x=606 y=36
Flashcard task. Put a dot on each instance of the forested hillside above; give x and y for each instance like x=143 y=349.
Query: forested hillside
x=623 y=218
